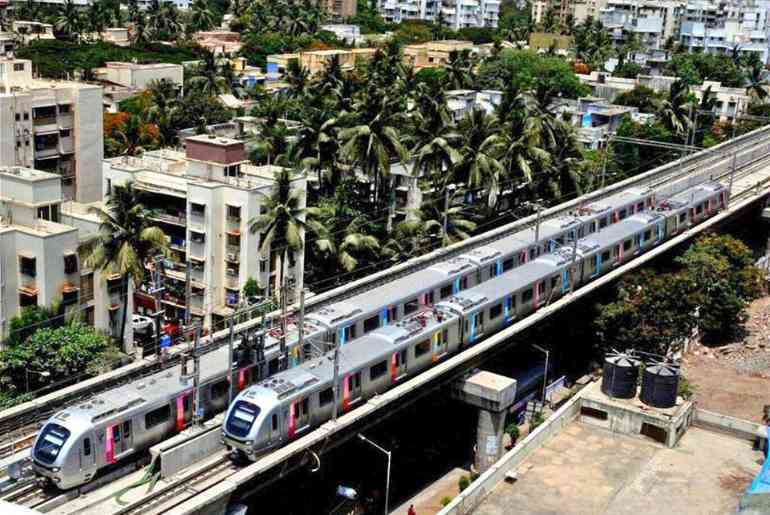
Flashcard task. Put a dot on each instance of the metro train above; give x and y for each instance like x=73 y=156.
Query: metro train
x=77 y=443
x=269 y=414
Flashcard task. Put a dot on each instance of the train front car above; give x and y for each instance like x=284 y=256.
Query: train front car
x=63 y=452
x=251 y=423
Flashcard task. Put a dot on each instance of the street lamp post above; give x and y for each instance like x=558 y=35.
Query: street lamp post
x=387 y=479
x=545 y=372
x=27 y=372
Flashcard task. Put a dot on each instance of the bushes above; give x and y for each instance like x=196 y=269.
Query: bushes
x=463 y=483
x=445 y=500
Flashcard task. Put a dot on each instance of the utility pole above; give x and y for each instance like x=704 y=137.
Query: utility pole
x=389 y=455
x=537 y=225
x=336 y=380
x=448 y=193
x=545 y=372
x=187 y=293
x=157 y=289
x=301 y=326
x=197 y=405
x=230 y=345
x=284 y=351
x=573 y=270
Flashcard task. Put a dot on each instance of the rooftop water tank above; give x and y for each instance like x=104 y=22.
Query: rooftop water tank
x=660 y=384
x=619 y=376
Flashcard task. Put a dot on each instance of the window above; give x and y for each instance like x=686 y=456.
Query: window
x=197 y=209
x=603 y=222
x=26 y=118
x=18 y=117
x=157 y=416
x=627 y=245
x=378 y=370
x=241 y=418
x=605 y=256
x=554 y=282
x=422 y=348
x=326 y=397
x=495 y=311
x=234 y=212
x=70 y=263
x=65 y=133
x=682 y=218
x=274 y=422
x=197 y=237
x=640 y=206
x=18 y=67
x=126 y=429
x=648 y=235
x=220 y=389
x=446 y=291
x=622 y=214
x=233 y=240
x=492 y=270
x=50 y=442
x=28 y=266
x=64 y=108
x=87 y=447
x=233 y=171
x=527 y=295
x=699 y=209
x=507 y=264
x=429 y=298
x=371 y=323
x=411 y=306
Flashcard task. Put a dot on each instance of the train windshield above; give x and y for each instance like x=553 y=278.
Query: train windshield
x=241 y=418
x=50 y=443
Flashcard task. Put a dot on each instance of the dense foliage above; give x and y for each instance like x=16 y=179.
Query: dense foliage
x=656 y=312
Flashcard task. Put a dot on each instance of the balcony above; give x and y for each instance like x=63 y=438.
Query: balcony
x=178 y=219
x=233 y=254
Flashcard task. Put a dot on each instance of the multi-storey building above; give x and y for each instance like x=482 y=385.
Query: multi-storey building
x=203 y=199
x=652 y=21
x=39 y=264
x=53 y=126
x=457 y=14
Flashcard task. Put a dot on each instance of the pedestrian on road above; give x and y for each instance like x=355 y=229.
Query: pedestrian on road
x=411 y=510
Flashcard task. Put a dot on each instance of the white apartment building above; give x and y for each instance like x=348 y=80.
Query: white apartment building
x=720 y=27
x=54 y=126
x=138 y=76
x=653 y=21
x=203 y=199
x=39 y=264
x=457 y=14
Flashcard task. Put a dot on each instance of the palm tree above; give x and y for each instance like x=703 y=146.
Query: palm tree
x=297 y=76
x=408 y=239
x=340 y=235
x=68 y=22
x=132 y=136
x=672 y=112
x=459 y=70
x=316 y=145
x=374 y=141
x=139 y=34
x=282 y=224
x=162 y=108
x=757 y=83
x=458 y=225
x=125 y=241
x=202 y=17
x=209 y=79
x=480 y=147
x=97 y=18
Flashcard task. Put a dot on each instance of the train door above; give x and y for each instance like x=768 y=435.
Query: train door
x=351 y=390
x=440 y=344
x=183 y=410
x=299 y=416
x=347 y=333
x=509 y=308
x=397 y=365
x=660 y=232
x=722 y=203
x=275 y=428
x=539 y=294
x=128 y=436
x=565 y=280
x=88 y=456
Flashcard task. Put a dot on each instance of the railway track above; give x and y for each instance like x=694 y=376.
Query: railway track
x=671 y=173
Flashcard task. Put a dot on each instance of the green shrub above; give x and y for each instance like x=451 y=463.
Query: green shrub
x=537 y=420
x=513 y=431
x=445 y=500
x=464 y=482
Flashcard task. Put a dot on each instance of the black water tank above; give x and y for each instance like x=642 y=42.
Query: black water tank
x=620 y=375
x=660 y=384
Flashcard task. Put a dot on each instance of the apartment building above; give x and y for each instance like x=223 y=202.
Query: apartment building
x=457 y=14
x=719 y=28
x=340 y=9
x=652 y=21
x=54 y=126
x=434 y=53
x=137 y=76
x=203 y=199
x=39 y=264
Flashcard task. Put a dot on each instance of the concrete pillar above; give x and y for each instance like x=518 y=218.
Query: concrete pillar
x=493 y=394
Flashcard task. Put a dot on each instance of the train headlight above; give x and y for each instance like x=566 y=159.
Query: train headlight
x=249 y=442
x=55 y=470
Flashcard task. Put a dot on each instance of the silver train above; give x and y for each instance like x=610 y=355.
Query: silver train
x=279 y=409
x=80 y=441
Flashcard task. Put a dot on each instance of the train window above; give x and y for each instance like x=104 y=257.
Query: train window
x=591 y=228
x=532 y=254
x=510 y=302
x=116 y=434
x=698 y=209
x=411 y=306
x=605 y=256
x=127 y=429
x=507 y=264
x=429 y=297
x=371 y=323
x=464 y=283
x=326 y=397
x=378 y=370
x=220 y=389
x=492 y=270
x=627 y=244
x=157 y=416
x=422 y=348
x=622 y=214
x=446 y=291
x=87 y=447
x=272 y=366
x=392 y=313
x=554 y=282
x=355 y=381
x=682 y=218
x=275 y=422
x=495 y=311
x=445 y=336
x=602 y=222
x=640 y=206
x=527 y=295
x=648 y=235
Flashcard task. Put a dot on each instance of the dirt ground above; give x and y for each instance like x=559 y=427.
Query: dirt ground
x=734 y=379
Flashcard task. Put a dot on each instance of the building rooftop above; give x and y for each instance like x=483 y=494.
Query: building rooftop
x=27 y=174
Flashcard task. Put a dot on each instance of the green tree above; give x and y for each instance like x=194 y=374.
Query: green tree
x=125 y=242
x=643 y=98
x=250 y=288
x=481 y=145
x=202 y=18
x=282 y=225
x=342 y=237
x=69 y=22
x=29 y=320
x=208 y=77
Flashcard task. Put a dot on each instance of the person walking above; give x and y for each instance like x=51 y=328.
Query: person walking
x=411 y=510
